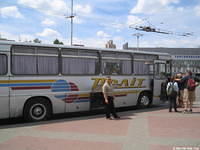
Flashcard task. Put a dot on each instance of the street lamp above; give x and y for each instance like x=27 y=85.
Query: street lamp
x=71 y=18
x=138 y=35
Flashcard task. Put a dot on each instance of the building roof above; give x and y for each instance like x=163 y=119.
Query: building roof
x=172 y=51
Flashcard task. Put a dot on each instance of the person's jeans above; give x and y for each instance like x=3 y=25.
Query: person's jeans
x=172 y=102
x=110 y=108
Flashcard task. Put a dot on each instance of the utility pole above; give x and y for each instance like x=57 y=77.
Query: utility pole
x=71 y=18
x=138 y=35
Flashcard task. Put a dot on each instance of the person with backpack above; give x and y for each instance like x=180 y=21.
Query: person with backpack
x=189 y=85
x=172 y=92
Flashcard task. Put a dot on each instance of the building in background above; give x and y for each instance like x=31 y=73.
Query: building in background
x=183 y=59
x=110 y=44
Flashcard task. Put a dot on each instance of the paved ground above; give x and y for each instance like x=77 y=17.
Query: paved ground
x=144 y=129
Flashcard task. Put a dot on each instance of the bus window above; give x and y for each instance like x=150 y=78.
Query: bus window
x=168 y=68
x=34 y=60
x=111 y=68
x=160 y=70
x=126 y=66
x=141 y=68
x=116 y=63
x=47 y=61
x=151 y=69
x=143 y=64
x=24 y=60
x=3 y=64
x=81 y=62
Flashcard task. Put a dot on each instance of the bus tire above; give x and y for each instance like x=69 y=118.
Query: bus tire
x=37 y=109
x=144 y=100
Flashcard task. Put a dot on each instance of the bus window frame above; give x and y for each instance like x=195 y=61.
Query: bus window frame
x=57 y=55
x=6 y=64
x=85 y=50
x=36 y=54
x=107 y=58
x=158 y=76
x=151 y=60
x=143 y=60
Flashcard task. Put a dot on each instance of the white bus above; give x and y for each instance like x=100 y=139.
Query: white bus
x=38 y=80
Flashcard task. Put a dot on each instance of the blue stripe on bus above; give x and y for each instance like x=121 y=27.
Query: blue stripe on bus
x=25 y=84
x=60 y=96
x=35 y=84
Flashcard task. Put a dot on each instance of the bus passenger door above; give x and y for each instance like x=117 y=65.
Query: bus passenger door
x=159 y=80
x=4 y=88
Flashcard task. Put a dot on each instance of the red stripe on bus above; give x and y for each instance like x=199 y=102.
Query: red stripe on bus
x=120 y=95
x=31 y=88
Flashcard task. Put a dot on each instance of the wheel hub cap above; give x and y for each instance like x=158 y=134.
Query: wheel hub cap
x=38 y=111
x=145 y=100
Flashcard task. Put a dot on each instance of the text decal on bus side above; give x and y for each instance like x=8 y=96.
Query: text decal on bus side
x=125 y=83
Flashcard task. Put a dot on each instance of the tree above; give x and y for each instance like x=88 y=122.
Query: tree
x=56 y=41
x=37 y=40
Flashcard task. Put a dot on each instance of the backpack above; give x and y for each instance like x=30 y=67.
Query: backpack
x=171 y=91
x=191 y=84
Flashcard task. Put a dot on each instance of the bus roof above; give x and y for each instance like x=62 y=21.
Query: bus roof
x=4 y=44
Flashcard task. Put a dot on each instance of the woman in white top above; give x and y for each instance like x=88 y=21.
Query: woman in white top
x=172 y=92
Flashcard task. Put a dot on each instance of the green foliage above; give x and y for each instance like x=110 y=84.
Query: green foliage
x=37 y=40
x=56 y=41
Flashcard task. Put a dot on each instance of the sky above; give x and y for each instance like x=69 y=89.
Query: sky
x=97 y=21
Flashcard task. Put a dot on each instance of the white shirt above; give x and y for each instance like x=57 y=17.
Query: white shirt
x=107 y=89
x=175 y=86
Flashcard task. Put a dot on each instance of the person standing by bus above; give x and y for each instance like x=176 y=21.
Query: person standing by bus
x=181 y=88
x=189 y=91
x=107 y=90
x=172 y=92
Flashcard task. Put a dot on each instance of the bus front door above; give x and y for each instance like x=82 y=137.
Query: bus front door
x=159 y=81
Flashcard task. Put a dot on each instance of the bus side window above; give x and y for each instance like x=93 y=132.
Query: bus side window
x=47 y=61
x=116 y=63
x=24 y=60
x=126 y=66
x=143 y=64
x=141 y=68
x=81 y=62
x=111 y=68
x=151 y=69
x=160 y=71
x=3 y=64
x=168 y=68
x=28 y=60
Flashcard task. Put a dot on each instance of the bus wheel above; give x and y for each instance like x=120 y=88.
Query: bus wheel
x=37 y=109
x=144 y=100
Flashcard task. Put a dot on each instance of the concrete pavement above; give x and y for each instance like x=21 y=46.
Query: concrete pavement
x=144 y=129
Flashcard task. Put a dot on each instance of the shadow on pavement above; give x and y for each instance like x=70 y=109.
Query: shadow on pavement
x=195 y=112
x=129 y=111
